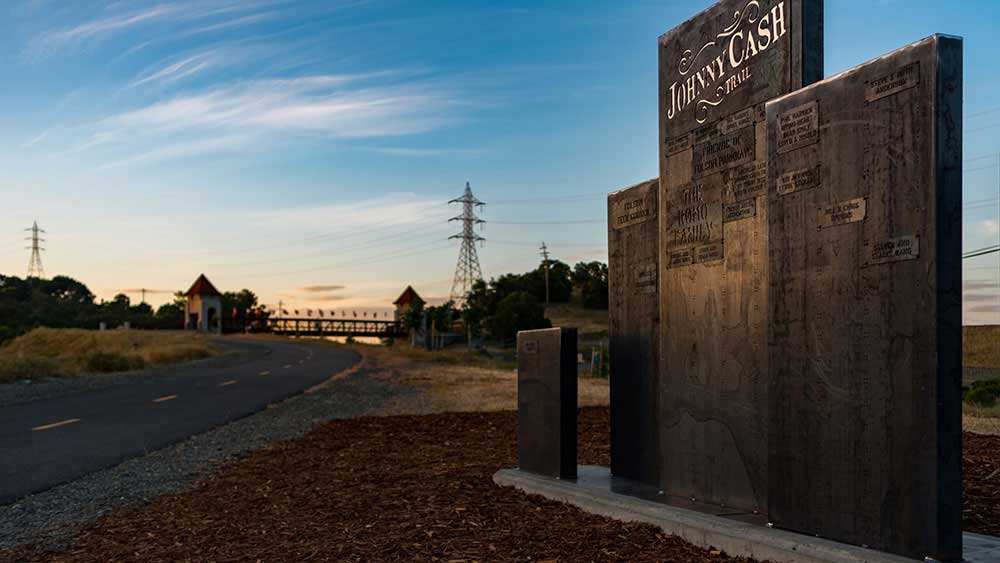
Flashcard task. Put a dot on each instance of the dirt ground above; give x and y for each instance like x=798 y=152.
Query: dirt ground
x=409 y=488
x=989 y=426
x=463 y=388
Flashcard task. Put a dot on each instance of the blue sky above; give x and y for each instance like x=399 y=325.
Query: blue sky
x=305 y=149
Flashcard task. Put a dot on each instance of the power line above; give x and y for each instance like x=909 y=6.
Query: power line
x=545 y=262
x=981 y=252
x=406 y=252
x=569 y=222
x=35 y=269
x=590 y=196
x=409 y=235
x=467 y=271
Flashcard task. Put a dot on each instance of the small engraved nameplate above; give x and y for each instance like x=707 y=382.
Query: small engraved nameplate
x=736 y=121
x=798 y=127
x=850 y=211
x=896 y=249
x=678 y=144
x=746 y=182
x=739 y=210
x=680 y=258
x=709 y=253
x=900 y=80
x=645 y=277
x=723 y=153
x=630 y=211
x=798 y=180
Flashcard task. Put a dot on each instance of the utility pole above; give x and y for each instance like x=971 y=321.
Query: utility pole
x=35 y=269
x=143 y=300
x=545 y=264
x=467 y=272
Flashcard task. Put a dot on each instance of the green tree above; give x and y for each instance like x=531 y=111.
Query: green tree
x=518 y=311
x=171 y=315
x=239 y=302
x=442 y=317
x=591 y=279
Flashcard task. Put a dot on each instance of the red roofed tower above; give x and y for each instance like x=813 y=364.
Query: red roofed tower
x=203 y=312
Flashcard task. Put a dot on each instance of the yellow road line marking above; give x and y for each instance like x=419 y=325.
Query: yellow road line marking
x=166 y=398
x=230 y=382
x=265 y=372
x=55 y=424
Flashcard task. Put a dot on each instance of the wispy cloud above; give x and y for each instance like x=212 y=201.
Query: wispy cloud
x=394 y=209
x=183 y=149
x=74 y=35
x=320 y=288
x=180 y=69
x=115 y=20
x=425 y=152
x=347 y=106
x=989 y=227
x=326 y=298
x=36 y=140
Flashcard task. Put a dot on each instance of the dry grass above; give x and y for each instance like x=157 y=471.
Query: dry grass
x=586 y=321
x=977 y=424
x=981 y=346
x=46 y=352
x=459 y=387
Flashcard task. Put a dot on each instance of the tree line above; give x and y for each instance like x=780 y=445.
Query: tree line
x=63 y=302
x=496 y=309
x=504 y=305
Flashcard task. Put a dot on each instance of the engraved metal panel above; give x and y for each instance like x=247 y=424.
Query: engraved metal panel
x=546 y=401
x=865 y=308
x=633 y=274
x=716 y=71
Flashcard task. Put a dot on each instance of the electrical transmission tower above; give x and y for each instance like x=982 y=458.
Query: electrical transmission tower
x=467 y=272
x=35 y=269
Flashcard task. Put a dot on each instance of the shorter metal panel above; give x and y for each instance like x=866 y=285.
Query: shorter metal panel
x=546 y=401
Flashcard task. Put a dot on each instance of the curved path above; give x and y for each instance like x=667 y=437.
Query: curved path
x=47 y=442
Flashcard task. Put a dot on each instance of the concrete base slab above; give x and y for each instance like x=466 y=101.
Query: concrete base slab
x=596 y=491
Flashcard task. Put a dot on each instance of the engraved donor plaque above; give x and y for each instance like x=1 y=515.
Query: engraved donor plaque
x=798 y=127
x=850 y=211
x=865 y=310
x=716 y=71
x=893 y=250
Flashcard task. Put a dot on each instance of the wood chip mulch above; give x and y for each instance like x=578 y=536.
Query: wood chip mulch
x=409 y=488
x=981 y=484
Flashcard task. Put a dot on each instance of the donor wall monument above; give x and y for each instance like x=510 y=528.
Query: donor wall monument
x=807 y=290
x=717 y=70
x=785 y=304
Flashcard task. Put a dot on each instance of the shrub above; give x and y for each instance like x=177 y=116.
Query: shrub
x=15 y=368
x=110 y=362
x=982 y=393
